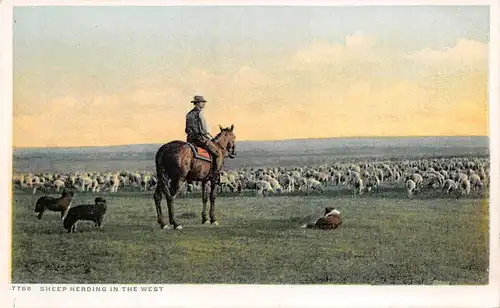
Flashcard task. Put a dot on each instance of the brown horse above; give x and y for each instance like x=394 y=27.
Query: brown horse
x=176 y=163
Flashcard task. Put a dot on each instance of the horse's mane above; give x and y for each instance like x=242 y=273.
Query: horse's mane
x=224 y=130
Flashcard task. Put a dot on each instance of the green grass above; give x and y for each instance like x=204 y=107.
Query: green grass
x=385 y=238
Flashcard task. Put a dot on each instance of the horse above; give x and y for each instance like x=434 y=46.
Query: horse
x=176 y=163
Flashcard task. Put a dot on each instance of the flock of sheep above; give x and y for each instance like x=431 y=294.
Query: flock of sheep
x=456 y=175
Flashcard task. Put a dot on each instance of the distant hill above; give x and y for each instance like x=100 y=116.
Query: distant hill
x=307 y=146
x=252 y=153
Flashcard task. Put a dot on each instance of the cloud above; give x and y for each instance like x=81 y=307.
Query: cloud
x=357 y=87
x=250 y=77
x=367 y=57
x=465 y=54
x=357 y=46
x=123 y=117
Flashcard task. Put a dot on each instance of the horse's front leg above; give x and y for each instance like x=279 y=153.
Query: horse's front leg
x=204 y=200
x=213 y=192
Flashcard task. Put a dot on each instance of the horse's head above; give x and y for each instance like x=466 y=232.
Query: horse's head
x=227 y=140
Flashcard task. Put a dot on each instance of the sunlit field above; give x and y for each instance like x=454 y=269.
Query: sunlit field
x=386 y=238
x=434 y=234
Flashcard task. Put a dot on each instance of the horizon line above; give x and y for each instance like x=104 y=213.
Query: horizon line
x=249 y=140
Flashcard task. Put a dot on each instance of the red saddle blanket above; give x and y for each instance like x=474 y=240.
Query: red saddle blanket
x=200 y=153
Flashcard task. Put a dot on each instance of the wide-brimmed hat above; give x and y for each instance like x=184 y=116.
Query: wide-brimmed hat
x=198 y=98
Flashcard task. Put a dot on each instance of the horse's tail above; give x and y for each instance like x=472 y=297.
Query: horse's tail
x=163 y=181
x=162 y=177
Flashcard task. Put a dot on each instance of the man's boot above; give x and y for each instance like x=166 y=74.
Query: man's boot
x=215 y=173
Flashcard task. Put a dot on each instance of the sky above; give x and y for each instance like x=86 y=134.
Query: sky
x=112 y=75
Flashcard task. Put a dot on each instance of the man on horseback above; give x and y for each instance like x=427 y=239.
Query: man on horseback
x=197 y=134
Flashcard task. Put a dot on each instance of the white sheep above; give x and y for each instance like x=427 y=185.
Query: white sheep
x=465 y=186
x=263 y=188
x=58 y=185
x=114 y=183
x=449 y=185
x=287 y=181
x=417 y=178
x=357 y=184
x=475 y=182
x=275 y=185
x=311 y=185
x=372 y=182
x=411 y=187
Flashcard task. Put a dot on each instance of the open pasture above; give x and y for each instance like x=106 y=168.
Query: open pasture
x=385 y=238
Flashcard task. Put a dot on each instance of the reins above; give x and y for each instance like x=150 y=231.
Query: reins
x=218 y=144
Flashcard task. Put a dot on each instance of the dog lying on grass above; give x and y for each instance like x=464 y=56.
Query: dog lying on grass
x=90 y=212
x=60 y=204
x=330 y=221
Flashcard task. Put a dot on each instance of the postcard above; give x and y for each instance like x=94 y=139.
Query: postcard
x=301 y=154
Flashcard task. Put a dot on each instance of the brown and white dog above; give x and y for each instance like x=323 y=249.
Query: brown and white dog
x=330 y=221
x=60 y=204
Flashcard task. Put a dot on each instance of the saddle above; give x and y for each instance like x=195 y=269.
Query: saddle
x=200 y=153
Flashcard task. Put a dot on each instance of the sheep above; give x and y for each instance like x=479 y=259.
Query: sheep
x=275 y=185
x=450 y=186
x=95 y=186
x=59 y=184
x=465 y=186
x=379 y=174
x=475 y=182
x=411 y=187
x=311 y=185
x=263 y=188
x=459 y=177
x=226 y=183
x=18 y=180
x=145 y=182
x=114 y=183
x=85 y=183
x=424 y=172
x=417 y=179
x=357 y=184
x=286 y=181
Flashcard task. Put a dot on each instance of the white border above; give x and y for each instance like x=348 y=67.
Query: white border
x=253 y=295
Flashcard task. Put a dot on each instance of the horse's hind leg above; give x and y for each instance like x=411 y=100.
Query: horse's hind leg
x=157 y=197
x=175 y=184
x=40 y=215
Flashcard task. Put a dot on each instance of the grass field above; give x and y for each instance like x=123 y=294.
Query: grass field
x=385 y=238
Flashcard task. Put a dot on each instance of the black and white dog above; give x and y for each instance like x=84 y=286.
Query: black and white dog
x=91 y=212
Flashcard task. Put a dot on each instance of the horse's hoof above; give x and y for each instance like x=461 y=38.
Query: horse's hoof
x=166 y=228
x=215 y=223
x=179 y=227
x=206 y=222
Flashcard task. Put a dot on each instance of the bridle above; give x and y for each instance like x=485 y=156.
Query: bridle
x=230 y=155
